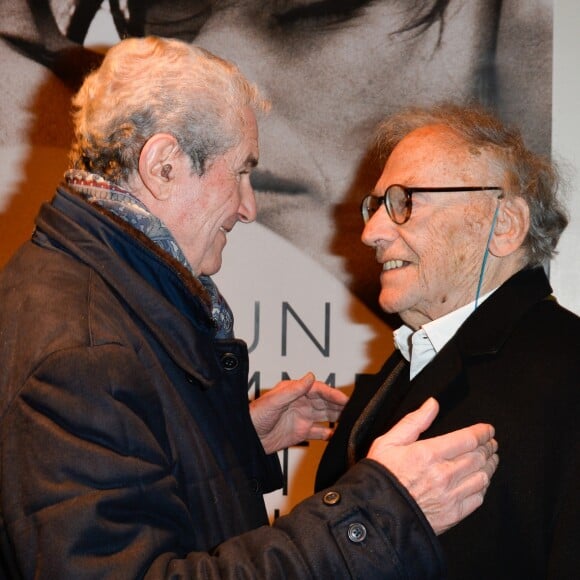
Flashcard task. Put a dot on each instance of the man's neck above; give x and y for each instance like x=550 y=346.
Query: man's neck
x=420 y=346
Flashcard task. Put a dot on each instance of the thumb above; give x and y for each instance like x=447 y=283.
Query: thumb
x=289 y=390
x=305 y=383
x=408 y=429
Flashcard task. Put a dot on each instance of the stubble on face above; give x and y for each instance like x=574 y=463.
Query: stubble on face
x=445 y=268
x=443 y=243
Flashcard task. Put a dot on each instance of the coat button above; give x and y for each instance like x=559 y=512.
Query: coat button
x=356 y=533
x=331 y=497
x=230 y=361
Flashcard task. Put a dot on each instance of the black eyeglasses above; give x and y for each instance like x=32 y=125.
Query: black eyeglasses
x=398 y=200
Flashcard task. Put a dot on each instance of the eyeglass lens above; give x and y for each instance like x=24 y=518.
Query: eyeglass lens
x=369 y=206
x=398 y=203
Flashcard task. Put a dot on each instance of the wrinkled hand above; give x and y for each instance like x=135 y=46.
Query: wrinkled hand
x=448 y=475
x=293 y=411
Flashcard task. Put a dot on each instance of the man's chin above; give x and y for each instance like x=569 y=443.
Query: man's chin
x=211 y=268
x=389 y=304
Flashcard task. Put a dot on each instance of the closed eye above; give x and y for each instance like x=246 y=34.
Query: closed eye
x=320 y=13
x=182 y=19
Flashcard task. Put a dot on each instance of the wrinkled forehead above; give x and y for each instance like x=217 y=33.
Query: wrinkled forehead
x=436 y=152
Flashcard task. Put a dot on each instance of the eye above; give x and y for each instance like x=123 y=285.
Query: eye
x=240 y=174
x=182 y=19
x=319 y=13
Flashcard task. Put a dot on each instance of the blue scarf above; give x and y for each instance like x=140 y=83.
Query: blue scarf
x=97 y=190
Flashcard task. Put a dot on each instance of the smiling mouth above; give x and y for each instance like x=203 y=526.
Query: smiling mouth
x=393 y=265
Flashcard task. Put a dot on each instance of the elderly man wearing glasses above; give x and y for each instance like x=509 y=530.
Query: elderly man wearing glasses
x=462 y=221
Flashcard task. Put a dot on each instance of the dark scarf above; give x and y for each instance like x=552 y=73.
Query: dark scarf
x=97 y=190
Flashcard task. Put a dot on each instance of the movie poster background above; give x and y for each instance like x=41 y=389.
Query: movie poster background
x=301 y=284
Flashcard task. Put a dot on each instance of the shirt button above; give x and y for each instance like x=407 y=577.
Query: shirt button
x=331 y=497
x=230 y=361
x=356 y=533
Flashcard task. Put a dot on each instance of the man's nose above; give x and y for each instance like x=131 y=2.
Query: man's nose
x=248 y=209
x=380 y=227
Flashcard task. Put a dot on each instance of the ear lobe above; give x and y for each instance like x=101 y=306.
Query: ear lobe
x=511 y=228
x=156 y=164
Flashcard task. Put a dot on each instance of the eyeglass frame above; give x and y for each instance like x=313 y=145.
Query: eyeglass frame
x=409 y=191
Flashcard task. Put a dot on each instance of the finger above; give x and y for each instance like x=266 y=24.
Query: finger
x=285 y=392
x=320 y=432
x=473 y=465
x=321 y=415
x=408 y=429
x=461 y=441
x=304 y=384
x=321 y=405
x=491 y=465
x=476 y=484
x=328 y=394
x=468 y=506
x=467 y=497
x=467 y=463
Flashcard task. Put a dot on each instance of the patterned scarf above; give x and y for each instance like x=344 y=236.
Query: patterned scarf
x=97 y=190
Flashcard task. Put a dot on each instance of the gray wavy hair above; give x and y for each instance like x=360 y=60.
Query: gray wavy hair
x=530 y=176
x=153 y=85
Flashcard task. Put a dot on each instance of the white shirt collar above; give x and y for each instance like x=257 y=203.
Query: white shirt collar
x=420 y=347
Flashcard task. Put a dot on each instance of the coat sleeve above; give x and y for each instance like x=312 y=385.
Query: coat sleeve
x=89 y=491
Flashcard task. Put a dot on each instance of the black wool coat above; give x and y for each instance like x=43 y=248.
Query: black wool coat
x=514 y=363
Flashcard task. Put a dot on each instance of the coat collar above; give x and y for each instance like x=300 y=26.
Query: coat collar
x=487 y=329
x=483 y=333
x=159 y=290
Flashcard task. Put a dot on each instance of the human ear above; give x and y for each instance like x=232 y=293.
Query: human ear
x=157 y=164
x=511 y=227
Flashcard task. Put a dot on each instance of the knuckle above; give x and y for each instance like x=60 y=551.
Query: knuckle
x=483 y=455
x=485 y=480
x=442 y=476
x=473 y=441
x=472 y=503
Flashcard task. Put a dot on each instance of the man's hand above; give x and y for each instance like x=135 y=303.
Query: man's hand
x=447 y=475
x=293 y=411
